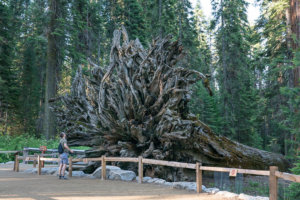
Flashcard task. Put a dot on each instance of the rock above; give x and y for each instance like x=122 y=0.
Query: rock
x=159 y=181
x=247 y=197
x=124 y=175
x=66 y=174
x=30 y=171
x=115 y=173
x=227 y=194
x=78 y=174
x=168 y=184
x=146 y=179
x=91 y=167
x=10 y=162
x=98 y=172
x=152 y=180
x=51 y=170
x=185 y=185
x=211 y=190
x=44 y=171
x=91 y=176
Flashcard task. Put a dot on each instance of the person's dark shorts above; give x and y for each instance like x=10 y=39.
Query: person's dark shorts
x=64 y=158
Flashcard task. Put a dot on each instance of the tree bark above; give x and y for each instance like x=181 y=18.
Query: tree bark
x=137 y=106
x=51 y=69
x=159 y=18
x=295 y=31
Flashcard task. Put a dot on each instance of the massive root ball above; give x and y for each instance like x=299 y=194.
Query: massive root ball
x=138 y=106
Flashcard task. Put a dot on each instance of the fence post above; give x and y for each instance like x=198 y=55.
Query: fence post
x=34 y=161
x=103 y=163
x=18 y=164
x=140 y=169
x=15 y=164
x=70 y=166
x=273 y=183
x=25 y=155
x=39 y=165
x=199 y=177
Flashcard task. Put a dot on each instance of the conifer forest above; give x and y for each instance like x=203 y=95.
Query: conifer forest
x=146 y=76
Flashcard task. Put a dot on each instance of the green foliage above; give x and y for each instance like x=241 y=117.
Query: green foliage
x=9 y=91
x=238 y=96
x=205 y=107
x=11 y=143
x=257 y=188
x=292 y=119
x=294 y=188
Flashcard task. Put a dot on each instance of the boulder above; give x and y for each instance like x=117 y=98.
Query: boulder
x=98 y=172
x=78 y=174
x=91 y=167
x=211 y=190
x=159 y=181
x=146 y=179
x=227 y=194
x=168 y=184
x=124 y=175
x=30 y=171
x=50 y=170
x=152 y=180
x=44 y=171
x=247 y=197
x=185 y=185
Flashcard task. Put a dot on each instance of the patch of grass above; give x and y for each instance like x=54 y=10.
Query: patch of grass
x=256 y=188
x=81 y=148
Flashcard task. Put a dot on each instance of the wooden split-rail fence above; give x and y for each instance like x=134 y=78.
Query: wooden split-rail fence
x=273 y=173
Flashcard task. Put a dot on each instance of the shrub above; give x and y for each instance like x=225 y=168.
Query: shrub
x=11 y=143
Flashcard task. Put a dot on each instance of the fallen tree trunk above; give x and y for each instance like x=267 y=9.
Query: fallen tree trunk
x=138 y=106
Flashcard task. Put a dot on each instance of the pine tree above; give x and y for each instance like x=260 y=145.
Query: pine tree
x=238 y=98
x=274 y=61
x=9 y=90
x=55 y=57
x=134 y=20
x=203 y=105
x=31 y=63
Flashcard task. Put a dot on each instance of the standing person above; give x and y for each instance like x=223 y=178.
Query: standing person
x=63 y=156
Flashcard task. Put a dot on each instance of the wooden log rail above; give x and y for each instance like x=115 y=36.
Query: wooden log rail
x=273 y=173
x=8 y=152
x=28 y=149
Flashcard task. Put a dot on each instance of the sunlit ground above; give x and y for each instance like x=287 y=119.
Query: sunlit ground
x=20 y=186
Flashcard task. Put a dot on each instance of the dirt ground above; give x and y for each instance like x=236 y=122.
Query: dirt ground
x=20 y=186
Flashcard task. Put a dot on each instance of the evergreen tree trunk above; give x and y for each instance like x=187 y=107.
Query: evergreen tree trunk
x=224 y=68
x=159 y=17
x=295 y=30
x=51 y=69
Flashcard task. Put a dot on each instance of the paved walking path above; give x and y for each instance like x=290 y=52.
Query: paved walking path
x=21 y=186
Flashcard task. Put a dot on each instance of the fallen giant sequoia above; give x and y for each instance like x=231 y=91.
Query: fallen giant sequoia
x=138 y=106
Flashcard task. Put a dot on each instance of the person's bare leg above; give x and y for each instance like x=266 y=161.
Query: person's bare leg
x=60 y=168
x=64 y=169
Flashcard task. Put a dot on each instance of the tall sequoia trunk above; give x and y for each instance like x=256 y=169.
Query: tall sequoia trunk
x=51 y=69
x=138 y=106
x=295 y=30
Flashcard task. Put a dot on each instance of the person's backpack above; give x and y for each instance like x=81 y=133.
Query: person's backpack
x=60 y=149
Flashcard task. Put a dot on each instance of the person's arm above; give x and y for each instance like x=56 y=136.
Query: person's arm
x=67 y=147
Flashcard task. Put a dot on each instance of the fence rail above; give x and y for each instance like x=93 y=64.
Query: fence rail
x=273 y=173
x=8 y=152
